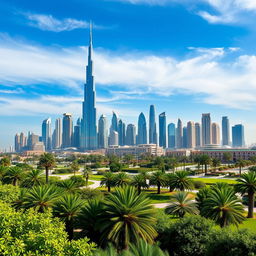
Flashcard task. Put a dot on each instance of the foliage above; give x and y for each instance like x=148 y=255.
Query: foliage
x=139 y=181
x=158 y=179
x=75 y=166
x=68 y=185
x=47 y=161
x=108 y=180
x=9 y=193
x=5 y=161
x=121 y=179
x=32 y=233
x=187 y=237
x=89 y=194
x=198 y=184
x=13 y=175
x=180 y=181
x=115 y=167
x=79 y=180
x=33 y=178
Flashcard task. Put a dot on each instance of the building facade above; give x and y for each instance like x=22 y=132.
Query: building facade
x=152 y=125
x=162 y=130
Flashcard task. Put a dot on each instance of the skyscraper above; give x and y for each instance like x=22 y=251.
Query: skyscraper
x=114 y=122
x=88 y=124
x=162 y=130
x=130 y=135
x=191 y=135
x=238 y=135
x=179 y=135
x=47 y=134
x=171 y=135
x=67 y=130
x=57 y=142
x=152 y=126
x=198 y=134
x=102 y=132
x=185 y=138
x=113 y=138
x=76 y=135
x=215 y=134
x=121 y=132
x=206 y=129
x=225 y=131
x=17 y=142
x=142 y=129
x=32 y=140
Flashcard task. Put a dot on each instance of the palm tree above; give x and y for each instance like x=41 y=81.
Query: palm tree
x=240 y=163
x=139 y=182
x=121 y=179
x=68 y=185
x=14 y=175
x=47 y=161
x=180 y=180
x=223 y=206
x=158 y=179
x=75 y=166
x=181 y=203
x=227 y=157
x=215 y=162
x=201 y=196
x=128 y=217
x=68 y=207
x=3 y=170
x=87 y=172
x=108 y=180
x=5 y=161
x=19 y=202
x=205 y=160
x=41 y=198
x=34 y=178
x=247 y=185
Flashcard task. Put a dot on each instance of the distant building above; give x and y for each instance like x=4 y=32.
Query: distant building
x=130 y=135
x=114 y=122
x=57 y=134
x=179 y=134
x=206 y=129
x=215 y=134
x=185 y=138
x=225 y=131
x=191 y=135
x=198 y=134
x=67 y=126
x=77 y=134
x=171 y=135
x=162 y=130
x=113 y=138
x=142 y=130
x=102 y=132
x=32 y=140
x=152 y=126
x=238 y=135
x=17 y=142
x=47 y=134
x=121 y=133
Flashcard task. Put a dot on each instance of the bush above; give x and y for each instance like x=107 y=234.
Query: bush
x=198 y=184
x=62 y=170
x=9 y=193
x=88 y=194
x=79 y=180
x=187 y=237
x=101 y=172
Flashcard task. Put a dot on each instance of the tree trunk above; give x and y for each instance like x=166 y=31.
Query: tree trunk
x=15 y=182
x=47 y=174
x=250 y=204
x=240 y=170
x=205 y=169
x=109 y=188
x=158 y=188
x=86 y=181
x=139 y=190
x=170 y=189
x=69 y=229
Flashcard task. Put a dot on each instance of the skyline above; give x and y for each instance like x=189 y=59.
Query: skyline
x=131 y=71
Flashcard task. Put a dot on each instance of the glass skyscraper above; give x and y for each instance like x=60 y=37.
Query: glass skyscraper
x=171 y=135
x=121 y=132
x=88 y=124
x=206 y=129
x=179 y=135
x=225 y=131
x=103 y=132
x=238 y=135
x=142 y=130
x=130 y=135
x=162 y=130
x=47 y=134
x=67 y=130
x=152 y=125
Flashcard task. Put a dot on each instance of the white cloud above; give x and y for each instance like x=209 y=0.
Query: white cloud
x=50 y=23
x=231 y=84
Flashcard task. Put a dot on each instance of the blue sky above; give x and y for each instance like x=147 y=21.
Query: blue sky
x=185 y=56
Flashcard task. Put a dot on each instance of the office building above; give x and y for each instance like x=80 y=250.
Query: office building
x=102 y=132
x=130 y=135
x=121 y=132
x=238 y=135
x=191 y=135
x=162 y=130
x=225 y=131
x=152 y=125
x=171 y=135
x=206 y=129
x=67 y=130
x=215 y=134
x=179 y=134
x=47 y=134
x=184 y=138
x=142 y=130
x=57 y=134
x=198 y=134
x=76 y=135
x=113 y=138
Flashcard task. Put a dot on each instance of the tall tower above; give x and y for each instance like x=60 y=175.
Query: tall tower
x=103 y=132
x=206 y=129
x=152 y=125
x=198 y=134
x=225 y=131
x=171 y=135
x=215 y=134
x=121 y=132
x=191 y=135
x=130 y=135
x=179 y=135
x=238 y=135
x=57 y=134
x=88 y=124
x=67 y=131
x=46 y=133
x=162 y=130
x=142 y=129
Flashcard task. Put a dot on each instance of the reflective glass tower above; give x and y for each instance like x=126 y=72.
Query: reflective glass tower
x=67 y=130
x=152 y=125
x=46 y=133
x=238 y=135
x=162 y=130
x=142 y=129
x=130 y=135
x=103 y=132
x=206 y=129
x=179 y=134
x=171 y=135
x=88 y=124
x=225 y=131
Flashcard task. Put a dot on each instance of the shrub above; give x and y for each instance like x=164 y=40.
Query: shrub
x=89 y=194
x=9 y=193
x=198 y=184
x=79 y=180
x=100 y=172
x=62 y=170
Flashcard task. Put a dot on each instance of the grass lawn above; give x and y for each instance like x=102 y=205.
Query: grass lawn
x=211 y=181
x=95 y=177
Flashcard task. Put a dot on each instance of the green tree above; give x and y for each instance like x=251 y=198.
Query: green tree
x=5 y=161
x=223 y=206
x=169 y=179
x=69 y=186
x=227 y=157
x=205 y=160
x=158 y=179
x=9 y=193
x=108 y=180
x=139 y=182
x=47 y=161
x=41 y=198
x=121 y=179
x=34 y=178
x=247 y=185
x=115 y=167
x=75 y=166
x=180 y=204
x=128 y=217
x=87 y=172
x=14 y=175
x=180 y=181
x=240 y=163
x=68 y=207
x=215 y=162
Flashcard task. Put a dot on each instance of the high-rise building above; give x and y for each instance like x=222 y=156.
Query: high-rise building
x=142 y=129
x=88 y=125
x=152 y=125
x=67 y=130
x=225 y=131
x=102 y=132
x=113 y=138
x=130 y=135
x=47 y=134
x=171 y=135
x=185 y=138
x=179 y=134
x=206 y=129
x=238 y=135
x=191 y=135
x=114 y=122
x=215 y=134
x=162 y=130
x=57 y=135
x=32 y=140
x=121 y=132
x=76 y=135
x=198 y=134
x=17 y=142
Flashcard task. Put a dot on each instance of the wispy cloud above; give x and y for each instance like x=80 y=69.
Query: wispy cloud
x=49 y=23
